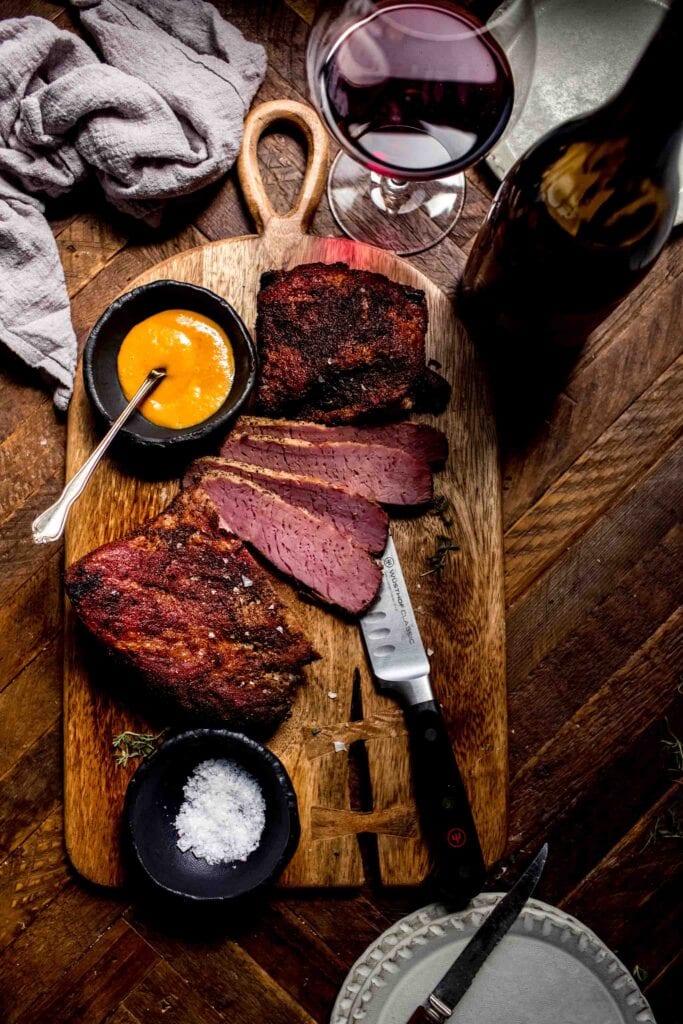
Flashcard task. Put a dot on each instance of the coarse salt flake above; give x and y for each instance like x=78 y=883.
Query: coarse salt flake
x=332 y=695
x=247 y=582
x=223 y=814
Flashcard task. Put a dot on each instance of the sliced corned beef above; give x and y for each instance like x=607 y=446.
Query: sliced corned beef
x=302 y=545
x=387 y=475
x=418 y=439
x=362 y=519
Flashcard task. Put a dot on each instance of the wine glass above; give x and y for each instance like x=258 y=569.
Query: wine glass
x=414 y=93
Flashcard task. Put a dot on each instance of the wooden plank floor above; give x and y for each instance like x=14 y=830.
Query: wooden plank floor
x=593 y=545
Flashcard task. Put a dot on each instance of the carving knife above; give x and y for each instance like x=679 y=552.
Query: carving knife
x=441 y=1002
x=400 y=665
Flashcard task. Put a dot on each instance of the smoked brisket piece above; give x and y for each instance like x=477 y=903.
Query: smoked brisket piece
x=361 y=519
x=387 y=475
x=188 y=607
x=304 y=546
x=338 y=345
x=418 y=439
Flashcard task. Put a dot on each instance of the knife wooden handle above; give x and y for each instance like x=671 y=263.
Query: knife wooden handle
x=458 y=865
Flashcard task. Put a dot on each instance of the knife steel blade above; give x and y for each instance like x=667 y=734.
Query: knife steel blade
x=441 y=1002
x=392 y=637
x=400 y=664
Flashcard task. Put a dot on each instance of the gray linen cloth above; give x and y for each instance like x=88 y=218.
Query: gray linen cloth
x=161 y=117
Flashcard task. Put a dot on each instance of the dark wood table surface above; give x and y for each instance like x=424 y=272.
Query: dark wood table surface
x=593 y=573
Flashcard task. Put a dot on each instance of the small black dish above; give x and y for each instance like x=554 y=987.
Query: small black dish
x=102 y=348
x=154 y=797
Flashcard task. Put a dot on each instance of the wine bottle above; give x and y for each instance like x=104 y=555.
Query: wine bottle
x=582 y=216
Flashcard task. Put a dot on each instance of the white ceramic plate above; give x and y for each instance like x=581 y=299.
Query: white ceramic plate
x=586 y=50
x=549 y=969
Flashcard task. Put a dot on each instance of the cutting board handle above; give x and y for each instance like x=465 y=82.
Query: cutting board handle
x=305 y=118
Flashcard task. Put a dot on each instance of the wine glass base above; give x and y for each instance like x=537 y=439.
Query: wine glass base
x=405 y=218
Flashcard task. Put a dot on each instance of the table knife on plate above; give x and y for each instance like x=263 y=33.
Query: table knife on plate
x=400 y=664
x=440 y=1003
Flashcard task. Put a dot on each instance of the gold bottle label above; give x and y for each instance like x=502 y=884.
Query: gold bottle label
x=581 y=187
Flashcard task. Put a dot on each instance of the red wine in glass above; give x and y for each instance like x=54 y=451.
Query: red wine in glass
x=417 y=91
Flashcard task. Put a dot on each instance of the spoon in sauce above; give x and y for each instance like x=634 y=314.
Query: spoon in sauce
x=49 y=526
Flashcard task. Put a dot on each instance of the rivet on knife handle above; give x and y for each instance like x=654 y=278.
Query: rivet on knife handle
x=430 y=1014
x=458 y=864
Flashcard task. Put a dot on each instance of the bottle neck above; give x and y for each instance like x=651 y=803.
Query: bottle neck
x=651 y=102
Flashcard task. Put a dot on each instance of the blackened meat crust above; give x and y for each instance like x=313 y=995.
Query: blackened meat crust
x=338 y=345
x=195 y=615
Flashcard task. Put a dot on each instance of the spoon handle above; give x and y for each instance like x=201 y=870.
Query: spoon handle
x=49 y=525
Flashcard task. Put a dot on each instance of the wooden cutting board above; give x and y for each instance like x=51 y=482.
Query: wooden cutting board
x=460 y=609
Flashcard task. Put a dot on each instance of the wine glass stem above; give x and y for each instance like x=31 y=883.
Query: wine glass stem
x=394 y=193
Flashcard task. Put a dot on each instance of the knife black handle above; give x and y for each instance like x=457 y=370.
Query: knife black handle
x=447 y=823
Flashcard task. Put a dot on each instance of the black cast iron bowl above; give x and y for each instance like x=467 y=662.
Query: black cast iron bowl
x=154 y=797
x=101 y=353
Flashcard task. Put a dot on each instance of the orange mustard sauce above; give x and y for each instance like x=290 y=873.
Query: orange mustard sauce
x=199 y=362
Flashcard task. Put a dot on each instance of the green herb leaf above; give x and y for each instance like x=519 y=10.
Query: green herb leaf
x=134 y=744
x=437 y=561
x=675 y=745
x=668 y=825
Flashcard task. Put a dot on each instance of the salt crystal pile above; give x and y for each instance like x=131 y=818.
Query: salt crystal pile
x=223 y=814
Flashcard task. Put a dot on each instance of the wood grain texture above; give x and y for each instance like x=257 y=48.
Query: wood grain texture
x=459 y=609
x=229 y=979
x=584 y=600
x=622 y=454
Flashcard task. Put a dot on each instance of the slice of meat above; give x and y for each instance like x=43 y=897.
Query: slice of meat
x=304 y=546
x=387 y=475
x=338 y=345
x=418 y=439
x=189 y=608
x=358 y=517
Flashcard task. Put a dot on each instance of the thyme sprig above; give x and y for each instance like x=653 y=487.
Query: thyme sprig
x=437 y=561
x=675 y=745
x=668 y=825
x=134 y=744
